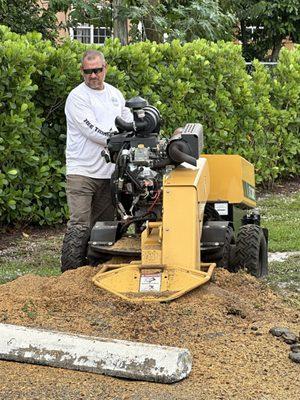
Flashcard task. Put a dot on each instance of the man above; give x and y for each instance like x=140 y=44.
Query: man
x=91 y=109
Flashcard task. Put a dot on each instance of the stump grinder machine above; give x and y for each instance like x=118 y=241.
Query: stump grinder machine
x=179 y=213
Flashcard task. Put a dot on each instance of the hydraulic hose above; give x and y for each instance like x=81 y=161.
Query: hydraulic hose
x=159 y=164
x=178 y=151
x=143 y=126
x=140 y=218
x=130 y=126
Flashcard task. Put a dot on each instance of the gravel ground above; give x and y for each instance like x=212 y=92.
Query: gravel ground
x=225 y=324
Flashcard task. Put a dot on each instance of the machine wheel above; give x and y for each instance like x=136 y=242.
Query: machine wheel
x=251 y=250
x=225 y=260
x=74 y=248
x=223 y=257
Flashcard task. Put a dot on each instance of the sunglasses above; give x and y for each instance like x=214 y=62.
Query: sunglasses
x=93 y=70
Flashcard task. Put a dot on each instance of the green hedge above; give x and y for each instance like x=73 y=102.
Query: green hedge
x=256 y=116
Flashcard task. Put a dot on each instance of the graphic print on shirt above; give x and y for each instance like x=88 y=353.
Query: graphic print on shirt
x=115 y=101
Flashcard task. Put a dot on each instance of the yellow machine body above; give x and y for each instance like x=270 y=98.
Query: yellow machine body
x=232 y=179
x=170 y=262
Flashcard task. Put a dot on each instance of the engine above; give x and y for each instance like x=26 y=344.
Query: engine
x=142 y=158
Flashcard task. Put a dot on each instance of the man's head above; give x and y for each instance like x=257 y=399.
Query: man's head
x=93 y=69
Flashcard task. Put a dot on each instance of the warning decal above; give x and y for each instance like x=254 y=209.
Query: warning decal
x=150 y=283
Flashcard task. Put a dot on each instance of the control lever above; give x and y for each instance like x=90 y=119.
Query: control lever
x=106 y=156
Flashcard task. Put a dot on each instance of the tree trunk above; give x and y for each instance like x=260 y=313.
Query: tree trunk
x=277 y=44
x=151 y=32
x=243 y=34
x=120 y=24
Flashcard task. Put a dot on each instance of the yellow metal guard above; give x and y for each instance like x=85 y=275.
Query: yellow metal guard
x=232 y=179
x=170 y=264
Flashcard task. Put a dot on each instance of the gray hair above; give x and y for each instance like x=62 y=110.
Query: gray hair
x=91 y=55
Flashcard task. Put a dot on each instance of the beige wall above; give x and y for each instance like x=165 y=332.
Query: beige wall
x=288 y=44
x=61 y=18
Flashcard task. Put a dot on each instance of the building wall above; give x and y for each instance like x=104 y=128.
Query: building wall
x=61 y=18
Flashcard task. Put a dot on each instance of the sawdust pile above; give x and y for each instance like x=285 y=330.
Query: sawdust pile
x=224 y=324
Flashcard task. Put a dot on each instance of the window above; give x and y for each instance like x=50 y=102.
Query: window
x=90 y=34
x=252 y=29
x=100 y=34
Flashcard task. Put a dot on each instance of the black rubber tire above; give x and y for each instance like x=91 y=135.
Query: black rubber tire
x=252 y=251
x=74 y=248
x=223 y=256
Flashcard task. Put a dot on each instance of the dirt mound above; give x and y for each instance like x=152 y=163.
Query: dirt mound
x=225 y=324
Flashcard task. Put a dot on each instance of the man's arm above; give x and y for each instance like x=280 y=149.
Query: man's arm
x=79 y=113
x=126 y=114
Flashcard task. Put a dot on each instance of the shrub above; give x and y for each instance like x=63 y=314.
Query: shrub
x=255 y=116
x=31 y=180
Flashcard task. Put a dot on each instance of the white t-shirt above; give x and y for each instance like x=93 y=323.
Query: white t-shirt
x=90 y=115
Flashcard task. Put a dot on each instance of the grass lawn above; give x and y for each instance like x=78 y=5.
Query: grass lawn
x=281 y=215
x=36 y=254
x=284 y=277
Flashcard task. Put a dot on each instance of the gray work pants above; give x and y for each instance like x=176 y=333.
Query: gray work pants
x=89 y=200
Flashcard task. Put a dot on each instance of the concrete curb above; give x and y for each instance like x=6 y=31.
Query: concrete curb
x=139 y=361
